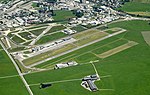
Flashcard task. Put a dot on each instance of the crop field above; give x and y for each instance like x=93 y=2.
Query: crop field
x=128 y=70
x=7 y=71
x=146 y=36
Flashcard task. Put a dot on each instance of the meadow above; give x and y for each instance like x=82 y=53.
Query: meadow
x=10 y=85
x=137 y=8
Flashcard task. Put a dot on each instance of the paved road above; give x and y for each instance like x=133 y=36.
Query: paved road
x=45 y=31
x=18 y=70
x=76 y=48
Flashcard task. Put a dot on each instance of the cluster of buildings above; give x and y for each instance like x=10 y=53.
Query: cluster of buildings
x=53 y=45
x=88 y=82
x=96 y=15
x=13 y=14
x=66 y=64
x=69 y=31
x=20 y=13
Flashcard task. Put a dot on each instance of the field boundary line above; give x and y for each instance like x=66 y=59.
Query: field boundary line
x=54 y=82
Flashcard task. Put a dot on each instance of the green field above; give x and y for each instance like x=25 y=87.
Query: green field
x=109 y=46
x=25 y=35
x=129 y=69
x=17 y=39
x=136 y=8
x=78 y=28
x=113 y=30
x=62 y=15
x=66 y=88
x=10 y=85
x=52 y=37
x=142 y=1
x=56 y=28
x=38 y=31
x=146 y=36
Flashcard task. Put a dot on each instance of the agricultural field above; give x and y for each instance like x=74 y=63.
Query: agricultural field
x=7 y=71
x=133 y=8
x=142 y=1
x=127 y=71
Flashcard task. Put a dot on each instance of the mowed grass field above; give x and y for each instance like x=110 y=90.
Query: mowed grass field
x=62 y=15
x=13 y=85
x=136 y=8
x=129 y=70
x=52 y=37
x=142 y=1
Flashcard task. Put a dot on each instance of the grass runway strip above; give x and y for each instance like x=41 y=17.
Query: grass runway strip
x=117 y=49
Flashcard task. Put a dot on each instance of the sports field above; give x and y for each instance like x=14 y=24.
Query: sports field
x=127 y=71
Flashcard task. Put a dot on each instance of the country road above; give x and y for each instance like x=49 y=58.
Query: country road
x=18 y=70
